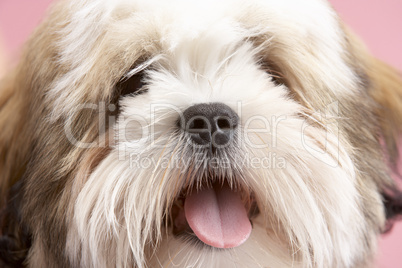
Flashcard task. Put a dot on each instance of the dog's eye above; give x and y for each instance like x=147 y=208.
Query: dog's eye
x=274 y=72
x=276 y=80
x=132 y=85
x=277 y=77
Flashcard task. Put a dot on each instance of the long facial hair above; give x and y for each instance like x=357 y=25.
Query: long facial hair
x=91 y=151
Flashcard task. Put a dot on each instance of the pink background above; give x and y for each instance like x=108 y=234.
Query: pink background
x=378 y=22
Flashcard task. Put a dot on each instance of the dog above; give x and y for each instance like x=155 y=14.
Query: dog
x=197 y=134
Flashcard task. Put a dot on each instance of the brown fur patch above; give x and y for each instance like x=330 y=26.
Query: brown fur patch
x=384 y=84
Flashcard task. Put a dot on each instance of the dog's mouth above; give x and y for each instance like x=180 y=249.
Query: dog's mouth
x=216 y=214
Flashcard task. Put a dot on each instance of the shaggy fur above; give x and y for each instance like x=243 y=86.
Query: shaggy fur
x=93 y=165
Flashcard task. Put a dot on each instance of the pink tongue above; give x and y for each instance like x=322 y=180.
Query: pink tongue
x=218 y=217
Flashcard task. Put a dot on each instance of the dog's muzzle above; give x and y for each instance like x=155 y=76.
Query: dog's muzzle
x=215 y=212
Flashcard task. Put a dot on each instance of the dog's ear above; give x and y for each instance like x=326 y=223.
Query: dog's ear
x=15 y=239
x=14 y=154
x=386 y=90
x=384 y=84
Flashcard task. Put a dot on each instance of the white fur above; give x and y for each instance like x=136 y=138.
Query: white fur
x=97 y=28
x=203 y=53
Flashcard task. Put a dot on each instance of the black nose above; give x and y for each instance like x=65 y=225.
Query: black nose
x=211 y=124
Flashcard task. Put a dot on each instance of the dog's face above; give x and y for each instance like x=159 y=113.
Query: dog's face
x=186 y=134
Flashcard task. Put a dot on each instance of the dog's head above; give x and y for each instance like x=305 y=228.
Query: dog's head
x=198 y=134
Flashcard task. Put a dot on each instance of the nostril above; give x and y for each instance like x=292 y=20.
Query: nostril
x=224 y=124
x=198 y=124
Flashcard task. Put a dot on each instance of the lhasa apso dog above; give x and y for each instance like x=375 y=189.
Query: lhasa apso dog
x=150 y=133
